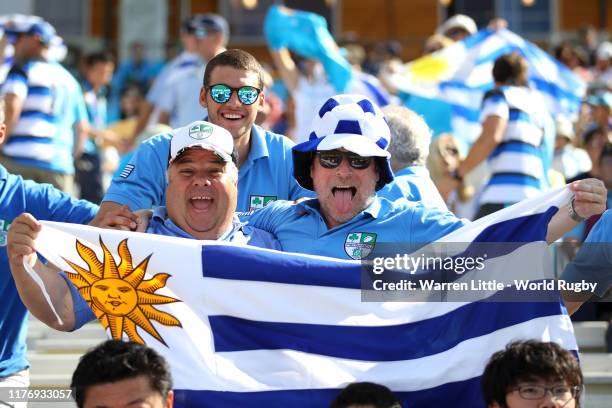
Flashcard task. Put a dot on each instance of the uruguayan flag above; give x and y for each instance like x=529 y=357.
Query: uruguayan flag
x=248 y=327
x=460 y=74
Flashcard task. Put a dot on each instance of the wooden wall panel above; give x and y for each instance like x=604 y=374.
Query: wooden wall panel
x=574 y=14
x=409 y=22
x=204 y=6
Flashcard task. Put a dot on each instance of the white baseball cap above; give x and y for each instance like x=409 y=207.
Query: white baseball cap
x=203 y=135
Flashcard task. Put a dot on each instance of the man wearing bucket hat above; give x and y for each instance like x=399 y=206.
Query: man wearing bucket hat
x=345 y=162
x=43 y=104
x=200 y=204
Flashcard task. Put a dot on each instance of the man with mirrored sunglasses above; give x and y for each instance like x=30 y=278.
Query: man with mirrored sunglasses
x=232 y=93
x=345 y=163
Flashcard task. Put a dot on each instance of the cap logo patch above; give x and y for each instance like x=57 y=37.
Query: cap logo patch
x=200 y=132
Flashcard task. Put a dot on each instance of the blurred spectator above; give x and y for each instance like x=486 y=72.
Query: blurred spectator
x=532 y=374
x=136 y=70
x=366 y=395
x=602 y=71
x=121 y=374
x=149 y=111
x=444 y=158
x=587 y=43
x=98 y=72
x=573 y=59
x=381 y=56
x=409 y=148
x=568 y=159
x=180 y=103
x=435 y=43
x=513 y=118
x=600 y=104
x=43 y=106
x=457 y=27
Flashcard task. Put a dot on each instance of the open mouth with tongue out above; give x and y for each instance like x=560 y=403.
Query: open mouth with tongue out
x=343 y=196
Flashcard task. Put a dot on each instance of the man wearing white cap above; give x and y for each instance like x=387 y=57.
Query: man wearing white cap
x=345 y=162
x=458 y=27
x=200 y=204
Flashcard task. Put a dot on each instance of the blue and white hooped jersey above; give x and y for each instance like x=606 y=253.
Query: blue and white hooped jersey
x=52 y=102
x=517 y=170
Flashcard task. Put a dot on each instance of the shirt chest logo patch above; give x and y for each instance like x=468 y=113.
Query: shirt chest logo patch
x=359 y=245
x=4 y=226
x=256 y=202
x=200 y=132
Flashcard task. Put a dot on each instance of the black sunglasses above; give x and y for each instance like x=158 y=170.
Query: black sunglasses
x=332 y=159
x=221 y=93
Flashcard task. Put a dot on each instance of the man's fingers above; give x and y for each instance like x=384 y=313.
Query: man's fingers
x=588 y=197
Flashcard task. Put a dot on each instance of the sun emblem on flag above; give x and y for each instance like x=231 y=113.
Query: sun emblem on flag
x=118 y=295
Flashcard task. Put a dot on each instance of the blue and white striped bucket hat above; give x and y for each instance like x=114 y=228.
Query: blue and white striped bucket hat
x=352 y=122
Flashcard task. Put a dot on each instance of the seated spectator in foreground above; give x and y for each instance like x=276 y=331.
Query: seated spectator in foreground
x=532 y=374
x=366 y=395
x=122 y=374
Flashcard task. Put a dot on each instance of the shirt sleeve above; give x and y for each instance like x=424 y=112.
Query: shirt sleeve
x=430 y=224
x=16 y=82
x=168 y=102
x=267 y=218
x=80 y=113
x=142 y=182
x=495 y=105
x=82 y=311
x=48 y=203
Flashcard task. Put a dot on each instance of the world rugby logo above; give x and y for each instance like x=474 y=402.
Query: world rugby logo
x=200 y=132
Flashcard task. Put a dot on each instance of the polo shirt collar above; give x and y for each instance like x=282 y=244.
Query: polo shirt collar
x=259 y=147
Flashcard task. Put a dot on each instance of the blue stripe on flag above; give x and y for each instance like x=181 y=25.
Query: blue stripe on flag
x=463 y=394
x=515 y=147
x=516 y=179
x=380 y=99
x=410 y=340
x=491 y=57
x=555 y=91
x=251 y=265
x=472 y=115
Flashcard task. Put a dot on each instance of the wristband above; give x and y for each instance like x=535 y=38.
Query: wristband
x=572 y=212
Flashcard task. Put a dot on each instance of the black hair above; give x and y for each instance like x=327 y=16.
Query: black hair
x=116 y=360
x=591 y=133
x=98 y=57
x=525 y=360
x=237 y=59
x=510 y=69
x=366 y=393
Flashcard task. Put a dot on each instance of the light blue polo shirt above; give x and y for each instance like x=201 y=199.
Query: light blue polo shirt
x=301 y=228
x=414 y=184
x=238 y=233
x=46 y=203
x=593 y=262
x=265 y=176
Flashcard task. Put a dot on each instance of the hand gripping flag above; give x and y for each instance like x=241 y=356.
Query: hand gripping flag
x=250 y=327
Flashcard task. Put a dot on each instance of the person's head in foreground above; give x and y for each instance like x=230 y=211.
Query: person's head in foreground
x=118 y=374
x=510 y=69
x=366 y=395
x=532 y=374
x=346 y=159
x=202 y=189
